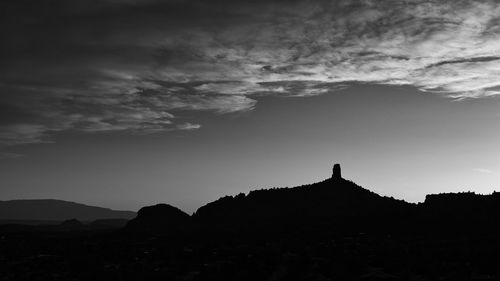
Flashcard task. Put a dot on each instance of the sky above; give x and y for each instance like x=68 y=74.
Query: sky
x=126 y=103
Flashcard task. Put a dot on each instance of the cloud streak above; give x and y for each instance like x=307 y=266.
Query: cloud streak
x=483 y=171
x=10 y=155
x=137 y=65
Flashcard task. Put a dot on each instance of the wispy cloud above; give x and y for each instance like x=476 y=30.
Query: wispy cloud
x=482 y=171
x=188 y=126
x=133 y=65
x=10 y=155
x=22 y=134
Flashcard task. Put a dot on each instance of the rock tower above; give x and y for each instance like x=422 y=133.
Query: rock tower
x=336 y=172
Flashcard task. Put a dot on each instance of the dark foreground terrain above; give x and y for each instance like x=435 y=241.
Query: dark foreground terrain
x=305 y=254
x=331 y=230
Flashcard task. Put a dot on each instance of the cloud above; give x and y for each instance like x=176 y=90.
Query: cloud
x=136 y=65
x=188 y=126
x=22 y=134
x=482 y=171
x=10 y=155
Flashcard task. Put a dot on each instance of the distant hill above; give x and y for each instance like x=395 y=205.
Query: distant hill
x=56 y=210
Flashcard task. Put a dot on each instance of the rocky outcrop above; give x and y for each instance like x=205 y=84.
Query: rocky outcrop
x=158 y=218
x=336 y=172
x=332 y=199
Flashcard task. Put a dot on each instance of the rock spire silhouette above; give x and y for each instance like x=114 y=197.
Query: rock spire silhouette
x=336 y=172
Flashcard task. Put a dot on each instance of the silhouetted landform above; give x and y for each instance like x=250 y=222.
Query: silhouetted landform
x=65 y=226
x=56 y=210
x=160 y=217
x=334 y=201
x=30 y=222
x=330 y=230
x=331 y=199
x=465 y=211
x=72 y=223
x=336 y=174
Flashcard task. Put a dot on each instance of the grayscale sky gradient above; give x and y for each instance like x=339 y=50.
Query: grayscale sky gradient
x=123 y=103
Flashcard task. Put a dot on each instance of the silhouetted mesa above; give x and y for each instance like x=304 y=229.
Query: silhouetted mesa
x=56 y=210
x=465 y=209
x=336 y=172
x=333 y=199
x=158 y=218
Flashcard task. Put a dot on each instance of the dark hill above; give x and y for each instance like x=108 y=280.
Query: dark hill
x=462 y=210
x=56 y=210
x=339 y=202
x=334 y=202
x=158 y=218
x=72 y=224
x=334 y=198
